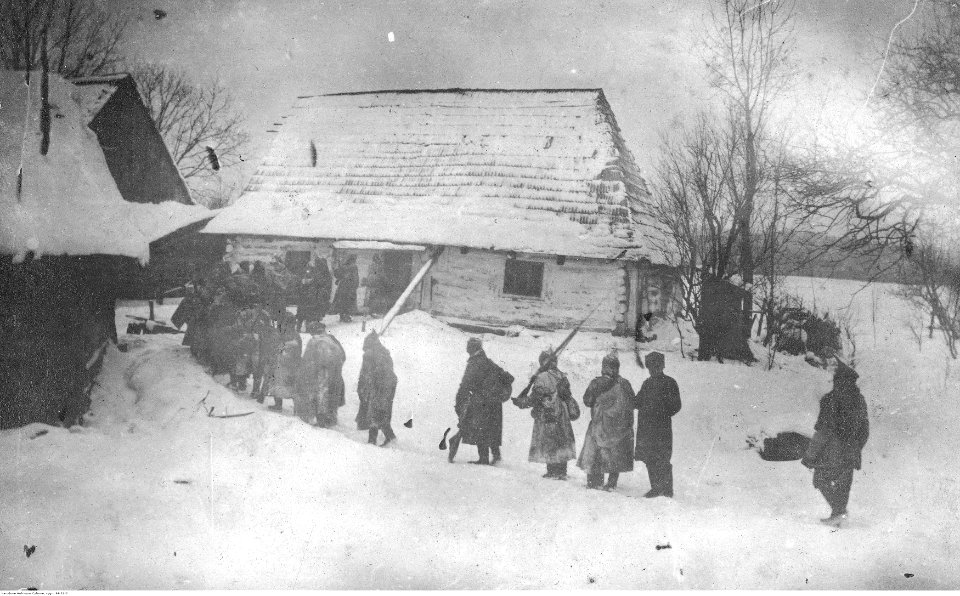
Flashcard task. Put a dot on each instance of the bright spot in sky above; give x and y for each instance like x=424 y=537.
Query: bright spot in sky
x=390 y=37
x=573 y=71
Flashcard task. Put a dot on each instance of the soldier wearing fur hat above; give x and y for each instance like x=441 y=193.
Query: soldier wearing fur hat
x=657 y=402
x=376 y=389
x=608 y=445
x=841 y=432
x=479 y=405
x=320 y=388
x=553 y=442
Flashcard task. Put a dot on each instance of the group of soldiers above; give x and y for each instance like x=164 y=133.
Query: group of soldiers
x=238 y=324
x=610 y=446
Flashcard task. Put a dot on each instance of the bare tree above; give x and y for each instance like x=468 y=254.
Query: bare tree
x=719 y=185
x=750 y=47
x=889 y=195
x=82 y=38
x=935 y=288
x=201 y=125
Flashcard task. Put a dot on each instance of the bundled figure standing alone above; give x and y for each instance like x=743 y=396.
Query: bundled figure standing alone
x=657 y=402
x=841 y=432
x=479 y=405
x=608 y=445
x=553 y=407
x=376 y=389
x=348 y=279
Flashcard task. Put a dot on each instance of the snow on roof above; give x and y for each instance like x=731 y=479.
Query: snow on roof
x=67 y=201
x=539 y=171
x=93 y=96
x=156 y=220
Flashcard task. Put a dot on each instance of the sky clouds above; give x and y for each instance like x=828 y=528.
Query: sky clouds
x=643 y=53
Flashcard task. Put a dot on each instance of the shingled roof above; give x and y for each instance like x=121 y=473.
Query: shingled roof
x=539 y=171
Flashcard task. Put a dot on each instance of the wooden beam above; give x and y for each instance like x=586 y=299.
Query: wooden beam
x=409 y=290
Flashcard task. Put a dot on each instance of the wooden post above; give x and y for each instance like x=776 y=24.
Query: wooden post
x=409 y=290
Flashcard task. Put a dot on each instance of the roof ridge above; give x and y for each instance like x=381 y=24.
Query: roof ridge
x=459 y=90
x=100 y=79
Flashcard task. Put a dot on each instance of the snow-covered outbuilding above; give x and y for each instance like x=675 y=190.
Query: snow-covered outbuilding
x=538 y=203
x=67 y=234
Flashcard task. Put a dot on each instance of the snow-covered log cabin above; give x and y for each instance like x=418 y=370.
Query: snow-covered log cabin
x=66 y=236
x=535 y=198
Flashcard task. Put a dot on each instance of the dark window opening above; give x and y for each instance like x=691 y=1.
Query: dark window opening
x=297 y=260
x=523 y=278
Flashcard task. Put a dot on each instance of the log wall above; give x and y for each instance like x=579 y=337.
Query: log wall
x=470 y=286
x=56 y=318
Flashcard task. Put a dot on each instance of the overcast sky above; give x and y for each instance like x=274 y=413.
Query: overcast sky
x=643 y=53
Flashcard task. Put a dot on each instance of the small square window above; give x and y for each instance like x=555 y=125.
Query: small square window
x=523 y=278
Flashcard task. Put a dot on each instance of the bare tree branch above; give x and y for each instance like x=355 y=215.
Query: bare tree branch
x=192 y=118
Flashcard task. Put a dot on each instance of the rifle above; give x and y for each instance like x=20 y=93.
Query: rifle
x=555 y=354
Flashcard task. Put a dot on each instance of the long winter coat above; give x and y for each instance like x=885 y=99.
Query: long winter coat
x=657 y=402
x=479 y=405
x=842 y=431
x=284 y=385
x=376 y=388
x=553 y=441
x=348 y=279
x=610 y=434
x=222 y=337
x=191 y=311
x=320 y=380
x=313 y=294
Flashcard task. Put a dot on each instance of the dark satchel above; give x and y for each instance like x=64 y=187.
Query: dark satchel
x=504 y=385
x=573 y=409
x=786 y=446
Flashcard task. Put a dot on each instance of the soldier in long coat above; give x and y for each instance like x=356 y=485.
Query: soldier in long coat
x=313 y=294
x=268 y=350
x=841 y=432
x=479 y=405
x=657 y=402
x=348 y=279
x=284 y=378
x=320 y=378
x=553 y=442
x=192 y=311
x=608 y=445
x=376 y=389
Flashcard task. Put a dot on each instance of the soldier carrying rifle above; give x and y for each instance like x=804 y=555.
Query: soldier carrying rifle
x=552 y=409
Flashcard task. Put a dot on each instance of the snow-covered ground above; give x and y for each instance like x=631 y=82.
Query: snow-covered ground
x=153 y=493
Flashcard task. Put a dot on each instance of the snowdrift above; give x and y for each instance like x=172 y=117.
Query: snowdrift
x=154 y=493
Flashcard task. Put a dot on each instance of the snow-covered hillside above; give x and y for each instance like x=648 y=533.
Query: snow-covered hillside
x=153 y=493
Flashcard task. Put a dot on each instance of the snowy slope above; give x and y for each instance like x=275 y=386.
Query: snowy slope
x=152 y=493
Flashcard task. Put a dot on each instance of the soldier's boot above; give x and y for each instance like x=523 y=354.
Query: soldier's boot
x=389 y=436
x=454 y=446
x=561 y=471
x=372 y=436
x=836 y=520
x=496 y=455
x=611 y=482
x=594 y=480
x=483 y=453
